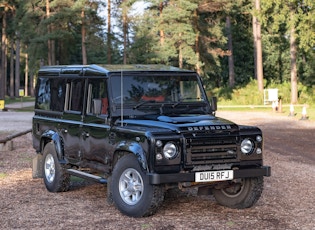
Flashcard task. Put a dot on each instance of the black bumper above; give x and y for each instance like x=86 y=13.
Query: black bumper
x=190 y=177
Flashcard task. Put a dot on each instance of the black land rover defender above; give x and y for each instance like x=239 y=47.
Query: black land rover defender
x=142 y=129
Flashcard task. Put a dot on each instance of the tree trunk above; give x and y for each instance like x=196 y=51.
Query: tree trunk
x=6 y=66
x=3 y=56
x=17 y=65
x=52 y=50
x=258 y=46
x=230 y=48
x=198 y=67
x=162 y=35
x=255 y=45
x=12 y=69
x=49 y=42
x=83 y=34
x=109 y=35
x=197 y=51
x=180 y=56
x=125 y=31
x=293 y=53
x=26 y=74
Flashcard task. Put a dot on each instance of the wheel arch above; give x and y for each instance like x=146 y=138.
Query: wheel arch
x=134 y=148
x=52 y=136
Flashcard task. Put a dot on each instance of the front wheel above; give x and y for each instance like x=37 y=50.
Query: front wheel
x=131 y=191
x=243 y=194
x=56 y=179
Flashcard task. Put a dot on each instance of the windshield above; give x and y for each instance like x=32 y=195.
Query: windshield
x=156 y=89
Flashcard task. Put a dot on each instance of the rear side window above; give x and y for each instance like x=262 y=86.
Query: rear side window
x=50 y=94
x=75 y=93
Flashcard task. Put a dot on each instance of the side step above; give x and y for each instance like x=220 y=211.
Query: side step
x=88 y=176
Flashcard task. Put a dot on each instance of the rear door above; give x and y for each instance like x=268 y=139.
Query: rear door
x=96 y=127
x=70 y=127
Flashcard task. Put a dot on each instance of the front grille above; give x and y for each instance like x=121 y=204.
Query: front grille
x=205 y=150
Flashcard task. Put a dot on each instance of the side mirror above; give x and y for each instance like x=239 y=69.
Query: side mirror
x=214 y=104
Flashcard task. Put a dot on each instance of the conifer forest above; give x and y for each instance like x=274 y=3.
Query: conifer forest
x=228 y=42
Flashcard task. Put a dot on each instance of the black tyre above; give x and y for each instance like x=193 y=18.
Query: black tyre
x=56 y=178
x=240 y=195
x=130 y=189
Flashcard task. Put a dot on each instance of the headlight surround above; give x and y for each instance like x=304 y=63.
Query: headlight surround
x=170 y=150
x=247 y=146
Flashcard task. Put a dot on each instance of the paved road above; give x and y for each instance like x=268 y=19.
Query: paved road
x=11 y=122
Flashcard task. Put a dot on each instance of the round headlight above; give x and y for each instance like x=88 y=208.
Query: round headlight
x=170 y=150
x=247 y=146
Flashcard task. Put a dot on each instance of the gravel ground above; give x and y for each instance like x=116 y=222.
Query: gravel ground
x=286 y=203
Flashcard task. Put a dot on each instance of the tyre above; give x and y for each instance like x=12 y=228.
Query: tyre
x=240 y=195
x=130 y=189
x=56 y=179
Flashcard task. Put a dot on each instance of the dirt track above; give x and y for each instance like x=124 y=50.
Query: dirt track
x=287 y=201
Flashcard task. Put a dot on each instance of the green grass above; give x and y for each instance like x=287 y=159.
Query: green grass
x=25 y=109
x=3 y=175
x=310 y=110
x=9 y=100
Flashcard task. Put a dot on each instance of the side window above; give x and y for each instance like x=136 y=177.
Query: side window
x=50 y=94
x=97 y=101
x=74 y=97
x=57 y=94
x=43 y=96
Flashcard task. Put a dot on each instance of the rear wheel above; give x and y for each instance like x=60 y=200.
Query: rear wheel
x=131 y=191
x=243 y=194
x=56 y=179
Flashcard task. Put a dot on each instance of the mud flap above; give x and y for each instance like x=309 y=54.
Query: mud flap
x=37 y=171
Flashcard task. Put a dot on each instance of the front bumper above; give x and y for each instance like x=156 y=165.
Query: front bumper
x=156 y=179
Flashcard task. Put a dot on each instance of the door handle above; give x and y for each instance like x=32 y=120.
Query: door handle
x=64 y=130
x=85 y=134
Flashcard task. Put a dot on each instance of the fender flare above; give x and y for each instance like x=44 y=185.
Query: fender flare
x=136 y=149
x=56 y=139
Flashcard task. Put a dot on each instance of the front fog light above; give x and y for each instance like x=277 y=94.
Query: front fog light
x=247 y=146
x=258 y=151
x=158 y=156
x=170 y=150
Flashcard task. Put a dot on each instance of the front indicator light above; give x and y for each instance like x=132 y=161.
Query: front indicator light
x=259 y=138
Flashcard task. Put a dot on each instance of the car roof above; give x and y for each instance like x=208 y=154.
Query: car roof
x=103 y=70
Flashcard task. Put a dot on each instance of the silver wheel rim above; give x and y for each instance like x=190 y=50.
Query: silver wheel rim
x=131 y=186
x=50 y=171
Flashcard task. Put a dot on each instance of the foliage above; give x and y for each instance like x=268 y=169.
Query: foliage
x=186 y=33
x=249 y=95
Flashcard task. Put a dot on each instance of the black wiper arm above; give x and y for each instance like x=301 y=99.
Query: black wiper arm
x=142 y=103
x=176 y=104
x=181 y=100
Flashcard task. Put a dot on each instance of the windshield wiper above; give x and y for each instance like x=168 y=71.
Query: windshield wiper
x=142 y=103
x=181 y=100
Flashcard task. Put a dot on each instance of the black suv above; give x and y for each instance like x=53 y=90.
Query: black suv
x=142 y=129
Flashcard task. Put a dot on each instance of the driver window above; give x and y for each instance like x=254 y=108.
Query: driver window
x=97 y=102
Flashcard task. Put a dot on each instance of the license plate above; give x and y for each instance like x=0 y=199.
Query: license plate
x=214 y=176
